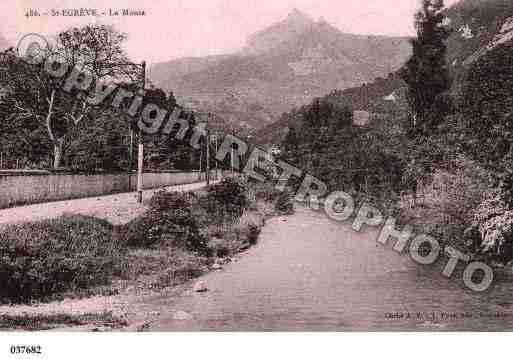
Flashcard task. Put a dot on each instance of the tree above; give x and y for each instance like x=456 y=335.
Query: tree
x=290 y=146
x=487 y=107
x=428 y=80
x=426 y=73
x=40 y=97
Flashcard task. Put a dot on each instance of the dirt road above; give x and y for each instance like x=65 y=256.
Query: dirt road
x=117 y=209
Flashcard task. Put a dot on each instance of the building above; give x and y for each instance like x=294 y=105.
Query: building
x=4 y=94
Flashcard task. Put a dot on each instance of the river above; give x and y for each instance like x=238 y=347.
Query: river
x=311 y=273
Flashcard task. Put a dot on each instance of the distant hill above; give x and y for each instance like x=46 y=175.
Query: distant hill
x=282 y=66
x=479 y=26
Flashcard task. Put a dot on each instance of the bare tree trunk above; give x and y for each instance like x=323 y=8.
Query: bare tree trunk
x=58 y=151
x=415 y=193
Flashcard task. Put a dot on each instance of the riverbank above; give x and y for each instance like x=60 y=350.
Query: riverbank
x=152 y=271
x=308 y=272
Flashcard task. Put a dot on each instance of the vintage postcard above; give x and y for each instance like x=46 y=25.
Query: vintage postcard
x=295 y=165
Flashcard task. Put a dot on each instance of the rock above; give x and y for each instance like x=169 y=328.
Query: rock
x=181 y=315
x=244 y=247
x=141 y=327
x=102 y=329
x=200 y=287
x=216 y=266
x=137 y=327
x=223 y=261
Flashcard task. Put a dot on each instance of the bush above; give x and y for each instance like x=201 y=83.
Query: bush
x=170 y=221
x=249 y=227
x=237 y=235
x=449 y=203
x=492 y=229
x=284 y=203
x=41 y=259
x=229 y=197
x=266 y=192
x=180 y=267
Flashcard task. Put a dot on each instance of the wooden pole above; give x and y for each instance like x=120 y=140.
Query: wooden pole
x=141 y=148
x=217 y=164
x=140 y=172
x=130 y=157
x=208 y=149
x=232 y=159
x=201 y=160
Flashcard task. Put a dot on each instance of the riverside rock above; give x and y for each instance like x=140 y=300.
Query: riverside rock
x=200 y=287
x=216 y=266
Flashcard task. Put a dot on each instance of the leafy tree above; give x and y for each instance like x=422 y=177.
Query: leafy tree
x=39 y=97
x=487 y=107
x=426 y=73
x=290 y=146
x=427 y=77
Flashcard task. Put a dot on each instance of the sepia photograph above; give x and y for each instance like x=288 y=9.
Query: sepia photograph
x=255 y=166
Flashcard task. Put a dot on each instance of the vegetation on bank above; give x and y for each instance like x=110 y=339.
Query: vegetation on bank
x=181 y=236
x=39 y=260
x=436 y=153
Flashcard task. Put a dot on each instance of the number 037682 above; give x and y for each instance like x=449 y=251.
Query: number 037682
x=26 y=349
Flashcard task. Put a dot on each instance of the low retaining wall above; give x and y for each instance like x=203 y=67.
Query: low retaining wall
x=29 y=189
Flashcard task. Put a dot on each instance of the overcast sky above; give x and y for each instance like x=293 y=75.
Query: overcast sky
x=178 y=28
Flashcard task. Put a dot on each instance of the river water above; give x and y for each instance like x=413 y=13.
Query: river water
x=311 y=273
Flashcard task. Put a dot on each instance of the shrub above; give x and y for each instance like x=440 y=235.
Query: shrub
x=449 y=203
x=38 y=260
x=492 y=229
x=181 y=267
x=229 y=197
x=266 y=192
x=250 y=225
x=236 y=235
x=284 y=203
x=170 y=221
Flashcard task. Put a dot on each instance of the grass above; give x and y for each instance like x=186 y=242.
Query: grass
x=45 y=322
x=164 y=267
x=43 y=259
x=111 y=266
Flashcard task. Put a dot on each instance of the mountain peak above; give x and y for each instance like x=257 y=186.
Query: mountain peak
x=296 y=23
x=322 y=20
x=298 y=15
x=4 y=44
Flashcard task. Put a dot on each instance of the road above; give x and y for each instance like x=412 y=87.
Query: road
x=311 y=273
x=117 y=209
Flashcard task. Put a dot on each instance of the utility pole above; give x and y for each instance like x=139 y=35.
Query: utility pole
x=130 y=156
x=201 y=144
x=232 y=159
x=217 y=164
x=140 y=161
x=208 y=150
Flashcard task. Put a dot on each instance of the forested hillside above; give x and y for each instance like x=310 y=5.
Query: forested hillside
x=285 y=65
x=43 y=126
x=437 y=151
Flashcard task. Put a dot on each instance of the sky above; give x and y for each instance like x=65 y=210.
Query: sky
x=179 y=28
